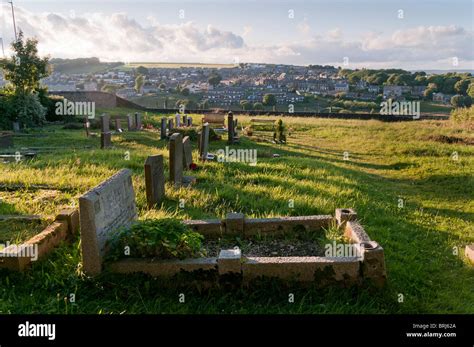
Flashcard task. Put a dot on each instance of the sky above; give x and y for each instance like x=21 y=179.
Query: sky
x=413 y=35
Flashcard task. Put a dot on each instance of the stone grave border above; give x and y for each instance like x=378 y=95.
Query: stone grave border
x=368 y=264
x=64 y=227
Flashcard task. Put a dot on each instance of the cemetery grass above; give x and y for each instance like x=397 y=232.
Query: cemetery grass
x=387 y=162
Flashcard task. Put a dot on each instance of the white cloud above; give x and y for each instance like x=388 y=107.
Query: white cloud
x=117 y=37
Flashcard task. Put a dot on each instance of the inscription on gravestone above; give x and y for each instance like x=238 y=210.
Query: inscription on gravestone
x=154 y=180
x=105 y=208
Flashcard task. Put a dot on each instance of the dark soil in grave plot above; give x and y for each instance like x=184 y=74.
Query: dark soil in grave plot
x=266 y=248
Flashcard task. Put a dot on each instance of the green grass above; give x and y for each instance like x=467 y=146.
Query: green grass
x=387 y=162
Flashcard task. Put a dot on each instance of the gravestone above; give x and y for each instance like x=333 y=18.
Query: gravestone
x=105 y=134
x=118 y=125
x=87 y=127
x=16 y=127
x=204 y=139
x=130 y=122
x=163 y=129
x=138 y=121
x=176 y=159
x=154 y=180
x=178 y=120
x=6 y=140
x=230 y=128
x=104 y=123
x=185 y=120
x=105 y=140
x=104 y=209
x=187 y=153
x=170 y=124
x=190 y=122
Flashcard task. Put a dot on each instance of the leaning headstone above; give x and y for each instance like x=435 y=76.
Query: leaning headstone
x=190 y=122
x=130 y=122
x=170 y=124
x=163 y=129
x=118 y=125
x=6 y=140
x=138 y=121
x=176 y=159
x=104 y=209
x=185 y=120
x=178 y=120
x=16 y=127
x=187 y=153
x=154 y=180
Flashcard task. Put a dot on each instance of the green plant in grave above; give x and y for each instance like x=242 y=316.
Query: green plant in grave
x=163 y=238
x=279 y=134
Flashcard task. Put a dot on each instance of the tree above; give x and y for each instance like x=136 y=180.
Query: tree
x=141 y=70
x=470 y=90
x=214 y=79
x=461 y=86
x=456 y=101
x=245 y=105
x=269 y=100
x=25 y=68
x=110 y=88
x=184 y=91
x=139 y=81
x=258 y=106
x=162 y=86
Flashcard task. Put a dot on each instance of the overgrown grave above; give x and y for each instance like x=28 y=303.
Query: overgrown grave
x=108 y=221
x=19 y=257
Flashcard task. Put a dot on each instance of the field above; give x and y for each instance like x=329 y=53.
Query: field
x=412 y=189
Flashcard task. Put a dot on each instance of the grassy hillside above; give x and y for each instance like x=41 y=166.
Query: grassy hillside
x=411 y=161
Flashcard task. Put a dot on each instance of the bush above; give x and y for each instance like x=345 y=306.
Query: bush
x=27 y=109
x=164 y=238
x=49 y=101
x=463 y=114
x=192 y=133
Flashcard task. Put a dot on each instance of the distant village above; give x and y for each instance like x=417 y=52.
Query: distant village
x=232 y=86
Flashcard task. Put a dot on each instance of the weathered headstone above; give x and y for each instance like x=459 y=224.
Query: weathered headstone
x=163 y=129
x=87 y=127
x=170 y=124
x=130 y=122
x=138 y=121
x=16 y=127
x=118 y=125
x=154 y=180
x=190 y=122
x=104 y=209
x=176 y=159
x=105 y=123
x=105 y=134
x=187 y=153
x=230 y=128
x=204 y=147
x=185 y=120
x=105 y=140
x=6 y=140
x=178 y=120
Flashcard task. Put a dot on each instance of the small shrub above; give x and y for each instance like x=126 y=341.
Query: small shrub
x=164 y=238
